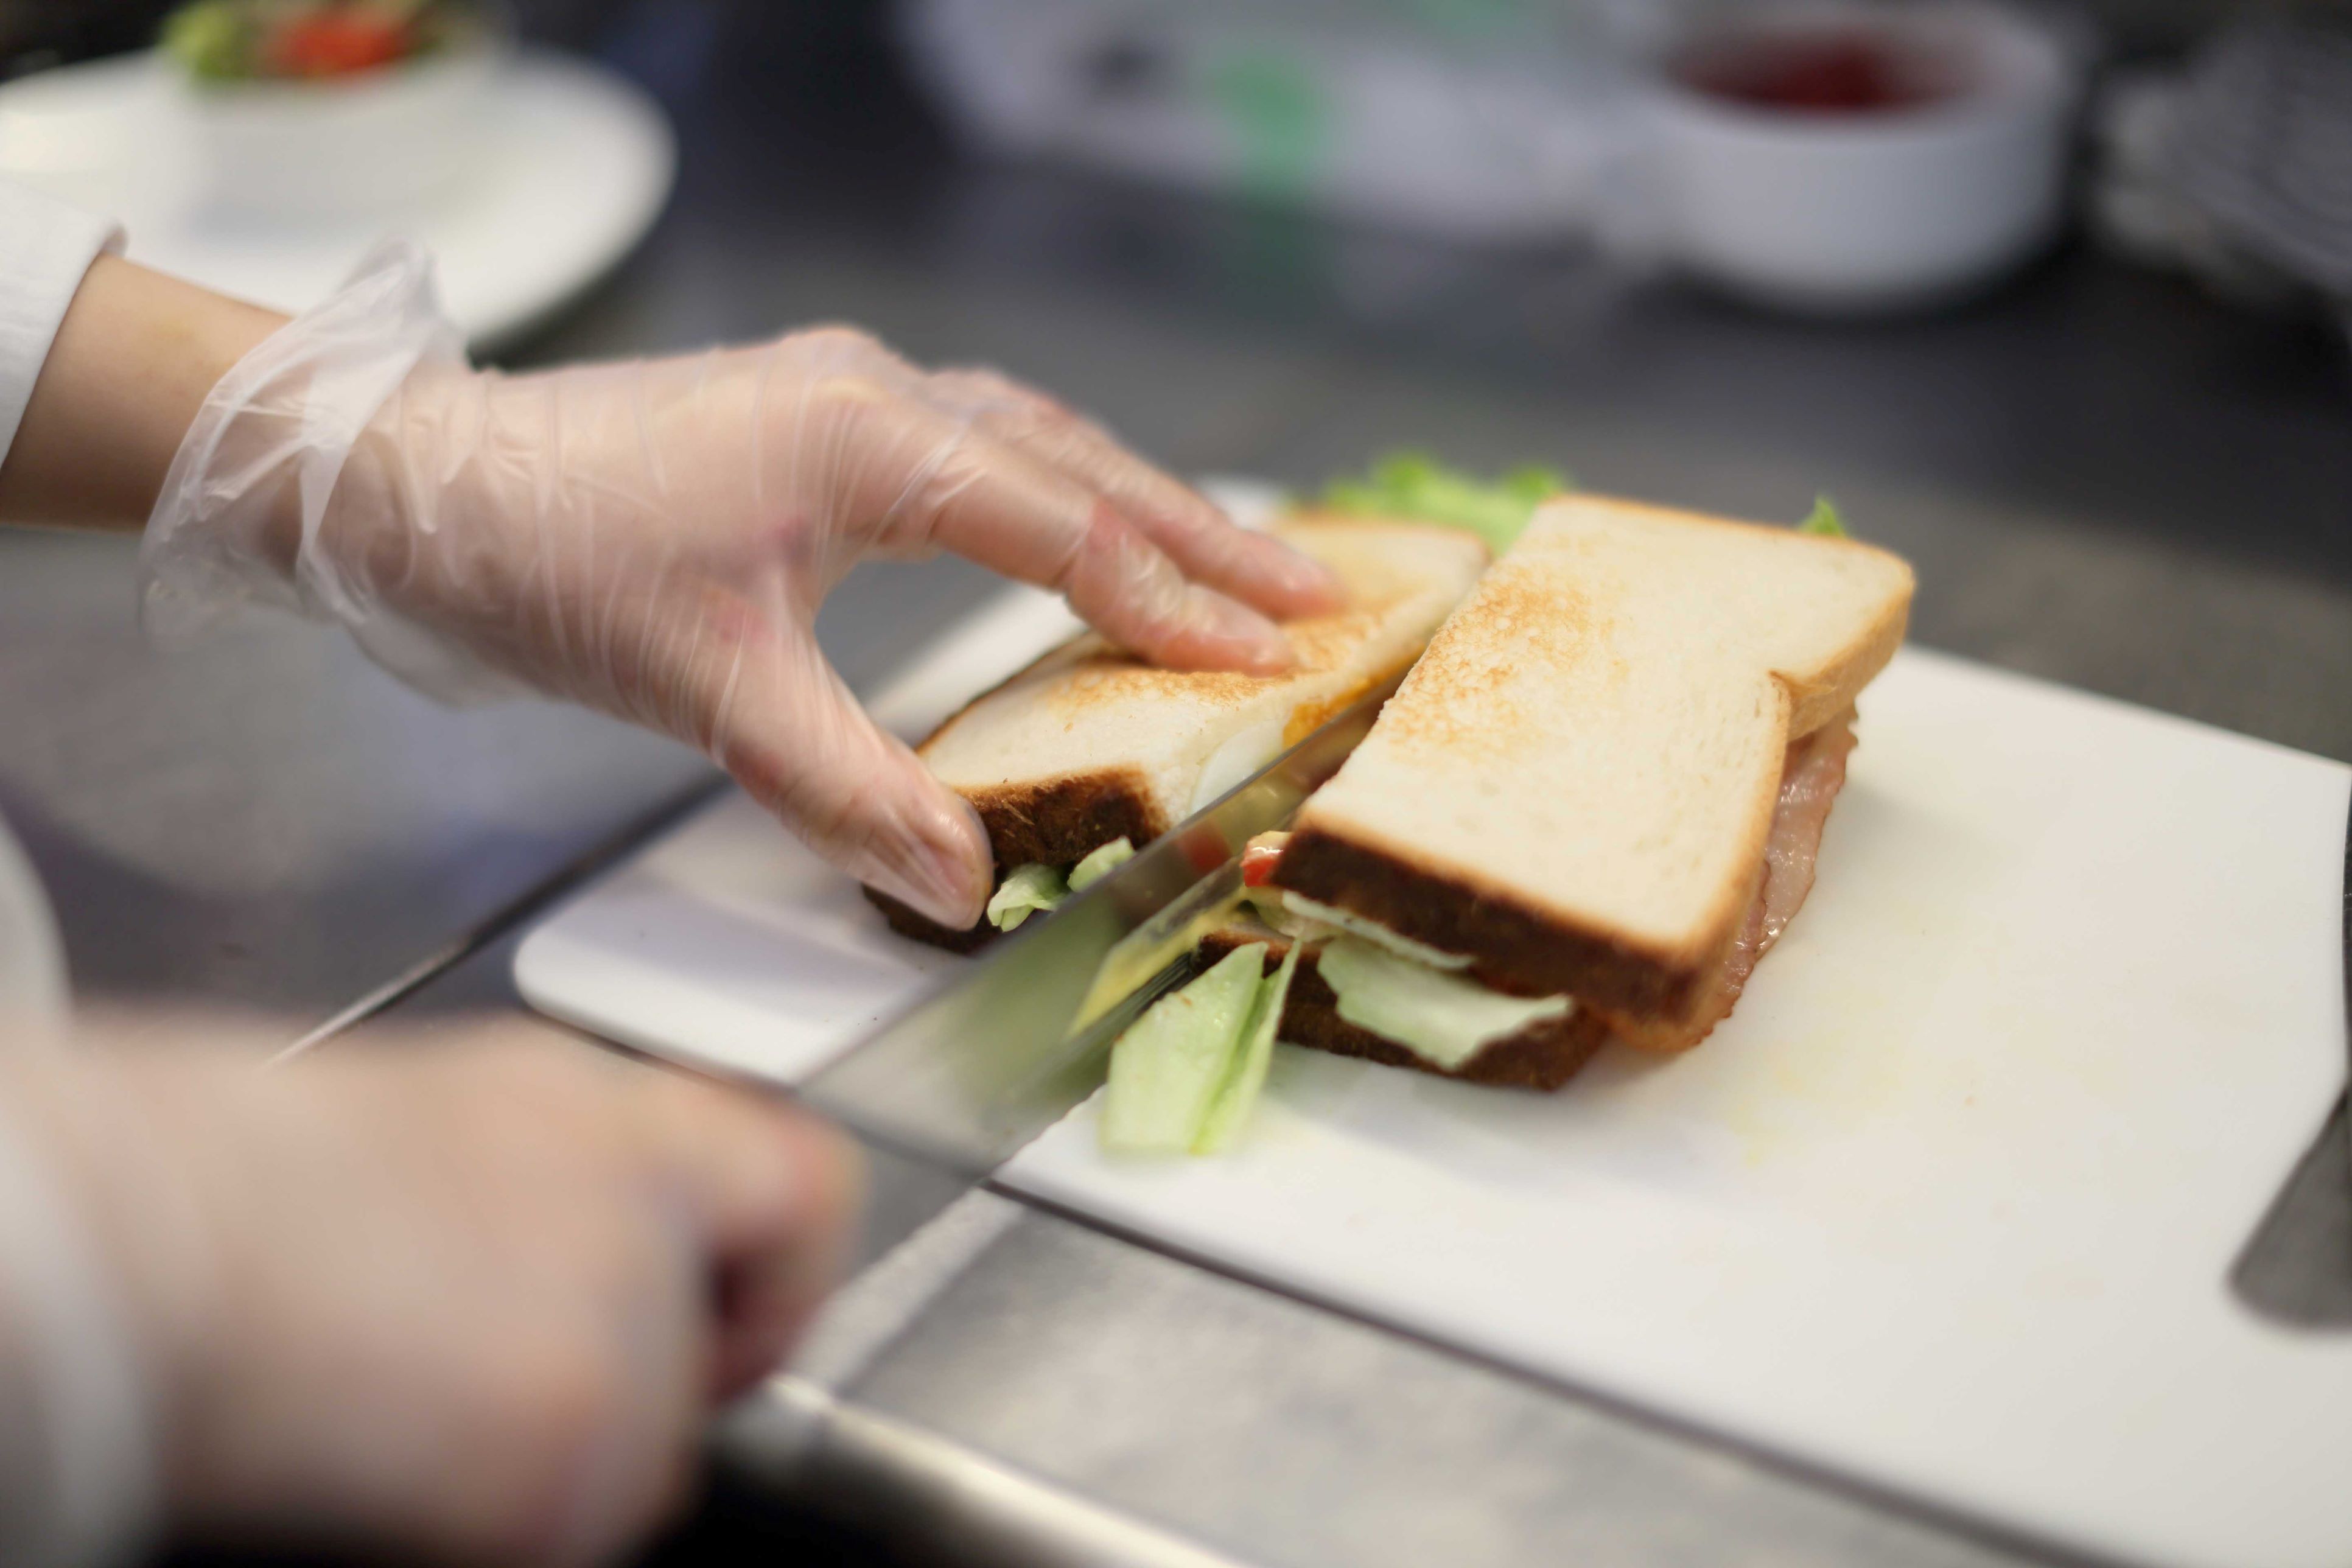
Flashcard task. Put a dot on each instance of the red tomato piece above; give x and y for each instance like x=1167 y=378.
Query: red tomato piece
x=335 y=43
x=1262 y=856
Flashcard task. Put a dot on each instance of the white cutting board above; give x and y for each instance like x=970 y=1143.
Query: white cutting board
x=1948 y=1206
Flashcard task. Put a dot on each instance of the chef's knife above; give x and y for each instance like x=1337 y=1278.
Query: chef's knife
x=1001 y=1051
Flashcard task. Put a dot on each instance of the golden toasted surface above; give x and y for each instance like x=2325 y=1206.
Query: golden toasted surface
x=1574 y=784
x=1088 y=743
x=1491 y=715
x=1091 y=675
x=1089 y=706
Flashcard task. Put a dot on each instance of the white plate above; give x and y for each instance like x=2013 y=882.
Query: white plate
x=574 y=167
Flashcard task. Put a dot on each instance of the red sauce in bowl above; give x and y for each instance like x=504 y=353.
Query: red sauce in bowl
x=1845 y=70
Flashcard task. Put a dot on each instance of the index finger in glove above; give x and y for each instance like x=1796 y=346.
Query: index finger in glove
x=936 y=481
x=1198 y=536
x=778 y=717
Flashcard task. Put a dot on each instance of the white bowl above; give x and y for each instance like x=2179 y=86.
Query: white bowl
x=1864 y=210
x=379 y=142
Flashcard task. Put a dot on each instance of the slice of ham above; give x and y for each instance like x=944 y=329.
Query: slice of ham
x=1810 y=780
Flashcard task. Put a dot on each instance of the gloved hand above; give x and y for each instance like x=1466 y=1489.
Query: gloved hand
x=653 y=539
x=458 y=1300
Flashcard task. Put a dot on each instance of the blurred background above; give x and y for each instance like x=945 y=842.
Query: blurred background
x=2081 y=263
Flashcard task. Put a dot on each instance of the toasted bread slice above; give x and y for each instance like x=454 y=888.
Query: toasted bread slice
x=1090 y=743
x=1574 y=785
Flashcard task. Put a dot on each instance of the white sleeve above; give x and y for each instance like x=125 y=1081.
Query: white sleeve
x=46 y=245
x=78 y=1484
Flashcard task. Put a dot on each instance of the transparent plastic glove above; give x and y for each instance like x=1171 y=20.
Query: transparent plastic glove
x=461 y=1300
x=653 y=539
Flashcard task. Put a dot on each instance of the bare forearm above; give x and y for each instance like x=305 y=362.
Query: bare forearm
x=131 y=366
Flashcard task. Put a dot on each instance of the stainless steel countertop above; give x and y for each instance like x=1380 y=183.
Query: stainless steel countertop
x=2103 y=477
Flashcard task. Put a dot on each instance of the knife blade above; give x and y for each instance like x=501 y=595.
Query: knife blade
x=999 y=1053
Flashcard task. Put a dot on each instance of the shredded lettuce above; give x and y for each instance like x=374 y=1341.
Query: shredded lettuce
x=1415 y=485
x=1246 y=1074
x=1038 y=889
x=1824 y=521
x=212 y=40
x=1101 y=864
x=1167 y=1070
x=1443 y=1018
x=1033 y=889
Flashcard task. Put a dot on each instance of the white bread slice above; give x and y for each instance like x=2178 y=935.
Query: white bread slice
x=1575 y=783
x=1090 y=743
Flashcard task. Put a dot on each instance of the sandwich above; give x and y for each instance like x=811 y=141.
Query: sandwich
x=1089 y=752
x=1587 y=812
x=1593 y=805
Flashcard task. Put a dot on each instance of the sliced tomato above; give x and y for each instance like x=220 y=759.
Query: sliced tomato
x=1260 y=857
x=337 y=43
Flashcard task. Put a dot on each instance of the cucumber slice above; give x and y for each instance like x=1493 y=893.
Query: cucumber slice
x=1238 y=1094
x=1031 y=889
x=1442 y=1018
x=1101 y=864
x=1166 y=1069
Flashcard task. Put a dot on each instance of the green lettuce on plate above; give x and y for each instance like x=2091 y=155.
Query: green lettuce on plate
x=1185 y=1075
x=1165 y=1071
x=1245 y=1074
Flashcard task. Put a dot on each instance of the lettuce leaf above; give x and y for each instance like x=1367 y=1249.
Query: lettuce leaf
x=1415 y=485
x=1442 y=1018
x=1030 y=889
x=1167 y=1070
x=1101 y=864
x=212 y=39
x=1824 y=521
x=1246 y=1075
x=1038 y=889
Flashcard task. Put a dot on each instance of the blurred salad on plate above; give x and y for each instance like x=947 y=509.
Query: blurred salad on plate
x=225 y=41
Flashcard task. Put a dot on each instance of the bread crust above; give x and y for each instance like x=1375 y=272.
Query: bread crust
x=1514 y=949
x=1542 y=1057
x=1815 y=703
x=1061 y=821
x=1056 y=822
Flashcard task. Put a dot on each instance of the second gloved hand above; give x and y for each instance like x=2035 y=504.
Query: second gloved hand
x=653 y=539
x=458 y=1299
